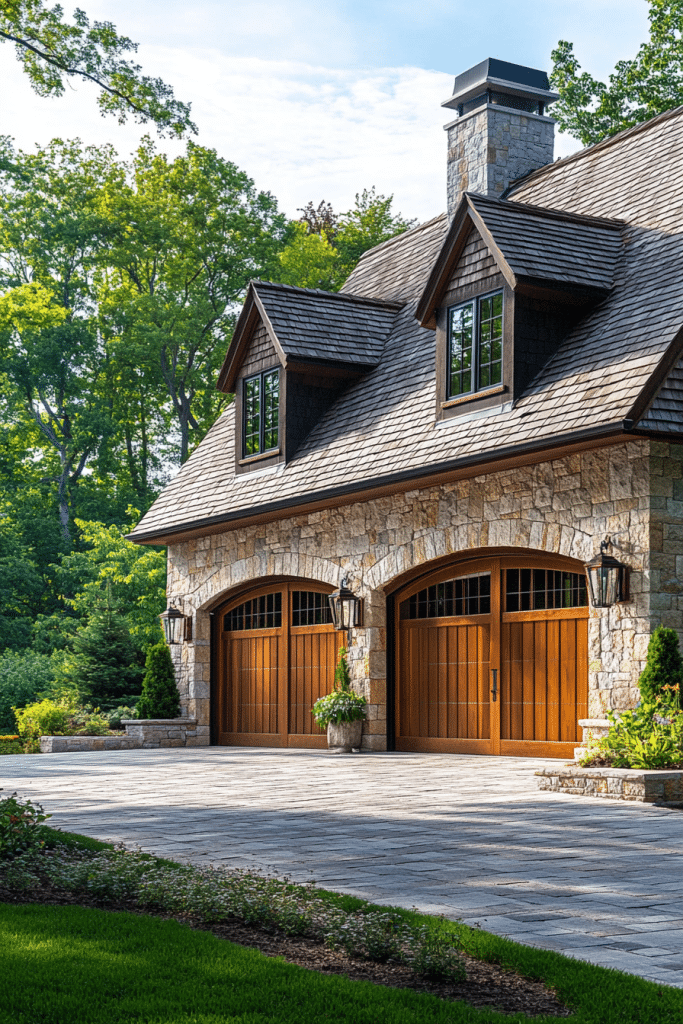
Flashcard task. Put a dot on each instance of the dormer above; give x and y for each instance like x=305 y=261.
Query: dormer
x=510 y=283
x=293 y=352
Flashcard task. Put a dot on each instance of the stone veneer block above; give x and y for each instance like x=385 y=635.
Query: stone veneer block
x=151 y=733
x=614 y=783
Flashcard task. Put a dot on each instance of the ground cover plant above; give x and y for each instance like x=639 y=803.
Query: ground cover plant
x=90 y=959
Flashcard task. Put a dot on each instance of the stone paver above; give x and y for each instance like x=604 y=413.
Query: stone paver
x=465 y=836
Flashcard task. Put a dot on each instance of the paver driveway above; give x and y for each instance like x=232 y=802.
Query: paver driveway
x=469 y=837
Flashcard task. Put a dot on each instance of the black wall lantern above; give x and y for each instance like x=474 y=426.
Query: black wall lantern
x=177 y=627
x=345 y=607
x=607 y=578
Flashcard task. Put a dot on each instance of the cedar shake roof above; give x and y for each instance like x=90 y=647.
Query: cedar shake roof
x=621 y=363
x=307 y=325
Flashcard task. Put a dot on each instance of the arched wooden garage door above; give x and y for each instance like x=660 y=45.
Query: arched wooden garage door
x=277 y=650
x=492 y=658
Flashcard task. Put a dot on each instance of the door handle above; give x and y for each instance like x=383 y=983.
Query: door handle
x=494 y=691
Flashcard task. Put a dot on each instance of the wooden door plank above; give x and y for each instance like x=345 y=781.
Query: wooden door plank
x=540 y=731
x=553 y=682
x=528 y=673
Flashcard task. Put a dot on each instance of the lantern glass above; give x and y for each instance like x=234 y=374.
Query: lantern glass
x=605 y=581
x=344 y=608
x=173 y=622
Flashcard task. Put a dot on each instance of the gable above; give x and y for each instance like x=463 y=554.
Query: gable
x=476 y=267
x=260 y=353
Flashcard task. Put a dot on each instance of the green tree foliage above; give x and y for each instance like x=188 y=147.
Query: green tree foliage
x=638 y=89
x=133 y=576
x=51 y=237
x=186 y=237
x=23 y=676
x=52 y=50
x=662 y=677
x=159 y=689
x=325 y=247
x=106 y=667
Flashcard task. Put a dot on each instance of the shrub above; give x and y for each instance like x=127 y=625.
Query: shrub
x=662 y=677
x=45 y=718
x=23 y=677
x=159 y=689
x=20 y=822
x=117 y=715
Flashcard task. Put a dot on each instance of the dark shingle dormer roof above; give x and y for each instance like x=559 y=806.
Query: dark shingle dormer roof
x=310 y=326
x=532 y=245
x=549 y=246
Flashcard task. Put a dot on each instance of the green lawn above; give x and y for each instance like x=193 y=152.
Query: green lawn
x=67 y=965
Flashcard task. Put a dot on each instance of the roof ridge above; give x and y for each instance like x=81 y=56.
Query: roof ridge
x=603 y=144
x=317 y=292
x=546 y=211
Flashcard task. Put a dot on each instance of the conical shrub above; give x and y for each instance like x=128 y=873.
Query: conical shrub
x=662 y=677
x=159 y=689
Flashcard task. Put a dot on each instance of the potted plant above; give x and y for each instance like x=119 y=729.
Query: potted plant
x=341 y=712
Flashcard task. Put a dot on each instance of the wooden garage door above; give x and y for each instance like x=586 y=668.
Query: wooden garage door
x=493 y=660
x=277 y=651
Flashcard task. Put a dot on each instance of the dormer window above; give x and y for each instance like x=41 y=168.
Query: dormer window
x=475 y=345
x=261 y=413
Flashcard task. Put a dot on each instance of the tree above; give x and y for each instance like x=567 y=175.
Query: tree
x=187 y=235
x=106 y=667
x=52 y=50
x=325 y=247
x=638 y=89
x=159 y=690
x=51 y=237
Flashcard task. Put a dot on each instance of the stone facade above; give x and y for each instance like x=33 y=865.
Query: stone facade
x=492 y=147
x=631 y=491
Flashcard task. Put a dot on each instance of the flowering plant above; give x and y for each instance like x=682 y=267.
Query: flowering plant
x=342 y=705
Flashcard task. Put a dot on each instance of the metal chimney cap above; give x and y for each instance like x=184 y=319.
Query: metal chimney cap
x=505 y=77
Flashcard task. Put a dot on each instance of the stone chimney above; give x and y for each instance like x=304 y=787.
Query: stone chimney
x=501 y=132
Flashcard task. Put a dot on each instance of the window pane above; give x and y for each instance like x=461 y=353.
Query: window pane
x=468 y=595
x=271 y=405
x=489 y=359
x=527 y=589
x=252 y=416
x=461 y=321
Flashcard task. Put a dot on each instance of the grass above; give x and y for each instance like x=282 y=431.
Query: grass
x=66 y=965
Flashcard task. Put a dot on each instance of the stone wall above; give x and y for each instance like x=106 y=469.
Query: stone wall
x=632 y=491
x=492 y=147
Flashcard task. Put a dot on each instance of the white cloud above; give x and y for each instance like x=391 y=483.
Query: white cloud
x=302 y=131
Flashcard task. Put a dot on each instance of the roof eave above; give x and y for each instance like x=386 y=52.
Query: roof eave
x=602 y=432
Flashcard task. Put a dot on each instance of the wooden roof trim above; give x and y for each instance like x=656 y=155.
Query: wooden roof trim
x=503 y=265
x=449 y=254
x=469 y=466
x=252 y=312
x=648 y=393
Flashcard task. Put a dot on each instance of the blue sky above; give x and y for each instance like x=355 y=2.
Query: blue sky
x=321 y=101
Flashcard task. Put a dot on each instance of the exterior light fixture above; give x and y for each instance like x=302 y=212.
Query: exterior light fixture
x=345 y=607
x=607 y=578
x=177 y=627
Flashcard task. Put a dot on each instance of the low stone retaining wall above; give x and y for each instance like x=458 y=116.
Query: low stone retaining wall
x=147 y=733
x=615 y=783
x=163 y=732
x=593 y=729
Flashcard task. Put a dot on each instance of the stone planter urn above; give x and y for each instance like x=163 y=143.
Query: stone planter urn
x=344 y=737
